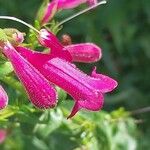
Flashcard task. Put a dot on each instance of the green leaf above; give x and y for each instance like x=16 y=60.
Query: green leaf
x=5 y=69
x=3 y=36
x=8 y=112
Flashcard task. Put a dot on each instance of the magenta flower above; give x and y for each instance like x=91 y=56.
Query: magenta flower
x=56 y=5
x=87 y=91
x=3 y=135
x=3 y=98
x=85 y=52
x=41 y=93
x=39 y=73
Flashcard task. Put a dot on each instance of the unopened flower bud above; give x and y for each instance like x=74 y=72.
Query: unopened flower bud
x=14 y=36
x=18 y=37
x=66 y=40
x=46 y=12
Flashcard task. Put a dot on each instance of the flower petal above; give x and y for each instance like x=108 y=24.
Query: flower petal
x=85 y=52
x=41 y=94
x=3 y=98
x=48 y=39
x=105 y=83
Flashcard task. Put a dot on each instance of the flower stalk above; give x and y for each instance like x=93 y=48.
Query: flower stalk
x=20 y=21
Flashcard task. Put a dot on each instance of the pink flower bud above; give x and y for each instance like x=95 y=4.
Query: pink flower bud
x=49 y=12
x=18 y=37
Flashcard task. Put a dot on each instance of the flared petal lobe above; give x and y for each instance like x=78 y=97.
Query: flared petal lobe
x=105 y=83
x=85 y=52
x=3 y=98
x=40 y=92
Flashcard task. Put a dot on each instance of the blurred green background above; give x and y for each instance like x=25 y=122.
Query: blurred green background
x=122 y=29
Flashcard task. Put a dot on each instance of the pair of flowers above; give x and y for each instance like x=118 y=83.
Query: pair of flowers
x=39 y=72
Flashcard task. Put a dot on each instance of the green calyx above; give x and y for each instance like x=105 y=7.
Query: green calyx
x=12 y=35
x=3 y=36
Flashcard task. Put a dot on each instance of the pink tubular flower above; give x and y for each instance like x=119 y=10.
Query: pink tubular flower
x=40 y=92
x=3 y=135
x=87 y=91
x=3 y=98
x=56 y=5
x=85 y=52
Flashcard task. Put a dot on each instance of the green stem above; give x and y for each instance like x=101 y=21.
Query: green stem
x=19 y=20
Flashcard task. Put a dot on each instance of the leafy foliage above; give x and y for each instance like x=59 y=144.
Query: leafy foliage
x=51 y=130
